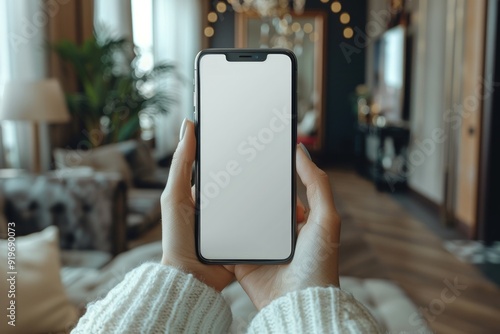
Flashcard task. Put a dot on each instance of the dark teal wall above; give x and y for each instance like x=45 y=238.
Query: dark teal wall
x=342 y=75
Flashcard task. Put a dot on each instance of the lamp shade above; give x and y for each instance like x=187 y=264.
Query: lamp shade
x=36 y=101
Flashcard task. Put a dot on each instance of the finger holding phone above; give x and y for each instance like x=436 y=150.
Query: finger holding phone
x=316 y=256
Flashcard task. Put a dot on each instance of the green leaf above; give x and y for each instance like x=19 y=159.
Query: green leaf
x=129 y=129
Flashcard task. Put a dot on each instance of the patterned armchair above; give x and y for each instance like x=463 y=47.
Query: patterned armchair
x=89 y=209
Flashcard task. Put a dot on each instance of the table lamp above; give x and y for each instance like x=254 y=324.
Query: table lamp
x=36 y=102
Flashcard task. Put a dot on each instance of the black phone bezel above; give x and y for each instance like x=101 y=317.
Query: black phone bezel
x=248 y=55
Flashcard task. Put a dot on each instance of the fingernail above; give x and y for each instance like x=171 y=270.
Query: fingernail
x=183 y=129
x=304 y=149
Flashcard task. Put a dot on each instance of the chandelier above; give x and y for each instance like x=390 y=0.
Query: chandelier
x=268 y=8
x=279 y=25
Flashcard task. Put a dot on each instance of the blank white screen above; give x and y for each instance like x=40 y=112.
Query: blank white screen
x=245 y=158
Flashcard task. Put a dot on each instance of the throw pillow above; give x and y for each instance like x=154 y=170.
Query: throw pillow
x=36 y=291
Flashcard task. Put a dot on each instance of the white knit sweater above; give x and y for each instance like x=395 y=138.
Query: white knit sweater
x=154 y=298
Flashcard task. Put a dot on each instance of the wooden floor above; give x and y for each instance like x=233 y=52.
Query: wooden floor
x=380 y=239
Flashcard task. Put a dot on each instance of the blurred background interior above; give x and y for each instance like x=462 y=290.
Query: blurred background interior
x=396 y=102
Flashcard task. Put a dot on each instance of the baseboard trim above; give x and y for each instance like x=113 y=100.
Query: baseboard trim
x=425 y=201
x=465 y=229
x=458 y=224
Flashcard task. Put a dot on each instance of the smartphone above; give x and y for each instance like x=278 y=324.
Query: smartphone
x=246 y=121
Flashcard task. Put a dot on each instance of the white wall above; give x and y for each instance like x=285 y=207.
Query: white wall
x=374 y=7
x=428 y=99
x=427 y=91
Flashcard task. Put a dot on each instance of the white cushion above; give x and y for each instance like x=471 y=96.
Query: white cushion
x=388 y=304
x=85 y=285
x=40 y=299
x=103 y=159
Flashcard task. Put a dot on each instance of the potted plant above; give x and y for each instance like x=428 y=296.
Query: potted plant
x=113 y=91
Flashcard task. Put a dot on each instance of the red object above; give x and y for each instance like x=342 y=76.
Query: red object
x=307 y=140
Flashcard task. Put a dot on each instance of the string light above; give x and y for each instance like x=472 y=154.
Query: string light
x=348 y=32
x=296 y=27
x=308 y=28
x=221 y=7
x=212 y=17
x=209 y=32
x=336 y=7
x=345 y=18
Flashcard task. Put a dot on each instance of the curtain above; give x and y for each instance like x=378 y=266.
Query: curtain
x=115 y=15
x=73 y=21
x=4 y=74
x=177 y=38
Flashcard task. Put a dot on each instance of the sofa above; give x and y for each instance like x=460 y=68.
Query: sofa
x=99 y=199
x=134 y=161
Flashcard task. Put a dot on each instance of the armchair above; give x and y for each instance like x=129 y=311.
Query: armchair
x=90 y=209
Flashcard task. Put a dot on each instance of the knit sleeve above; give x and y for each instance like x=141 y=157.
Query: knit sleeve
x=314 y=310
x=154 y=298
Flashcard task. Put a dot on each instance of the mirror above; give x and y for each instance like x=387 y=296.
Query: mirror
x=304 y=35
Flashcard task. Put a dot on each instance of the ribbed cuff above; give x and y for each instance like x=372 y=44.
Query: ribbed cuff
x=314 y=310
x=157 y=298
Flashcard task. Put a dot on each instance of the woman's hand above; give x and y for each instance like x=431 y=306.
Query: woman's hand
x=315 y=262
x=177 y=211
x=316 y=255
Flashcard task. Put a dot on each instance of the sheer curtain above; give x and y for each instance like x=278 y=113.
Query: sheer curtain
x=4 y=76
x=22 y=57
x=165 y=31
x=115 y=15
x=177 y=38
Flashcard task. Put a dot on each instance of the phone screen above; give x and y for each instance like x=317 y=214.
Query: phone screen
x=246 y=153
